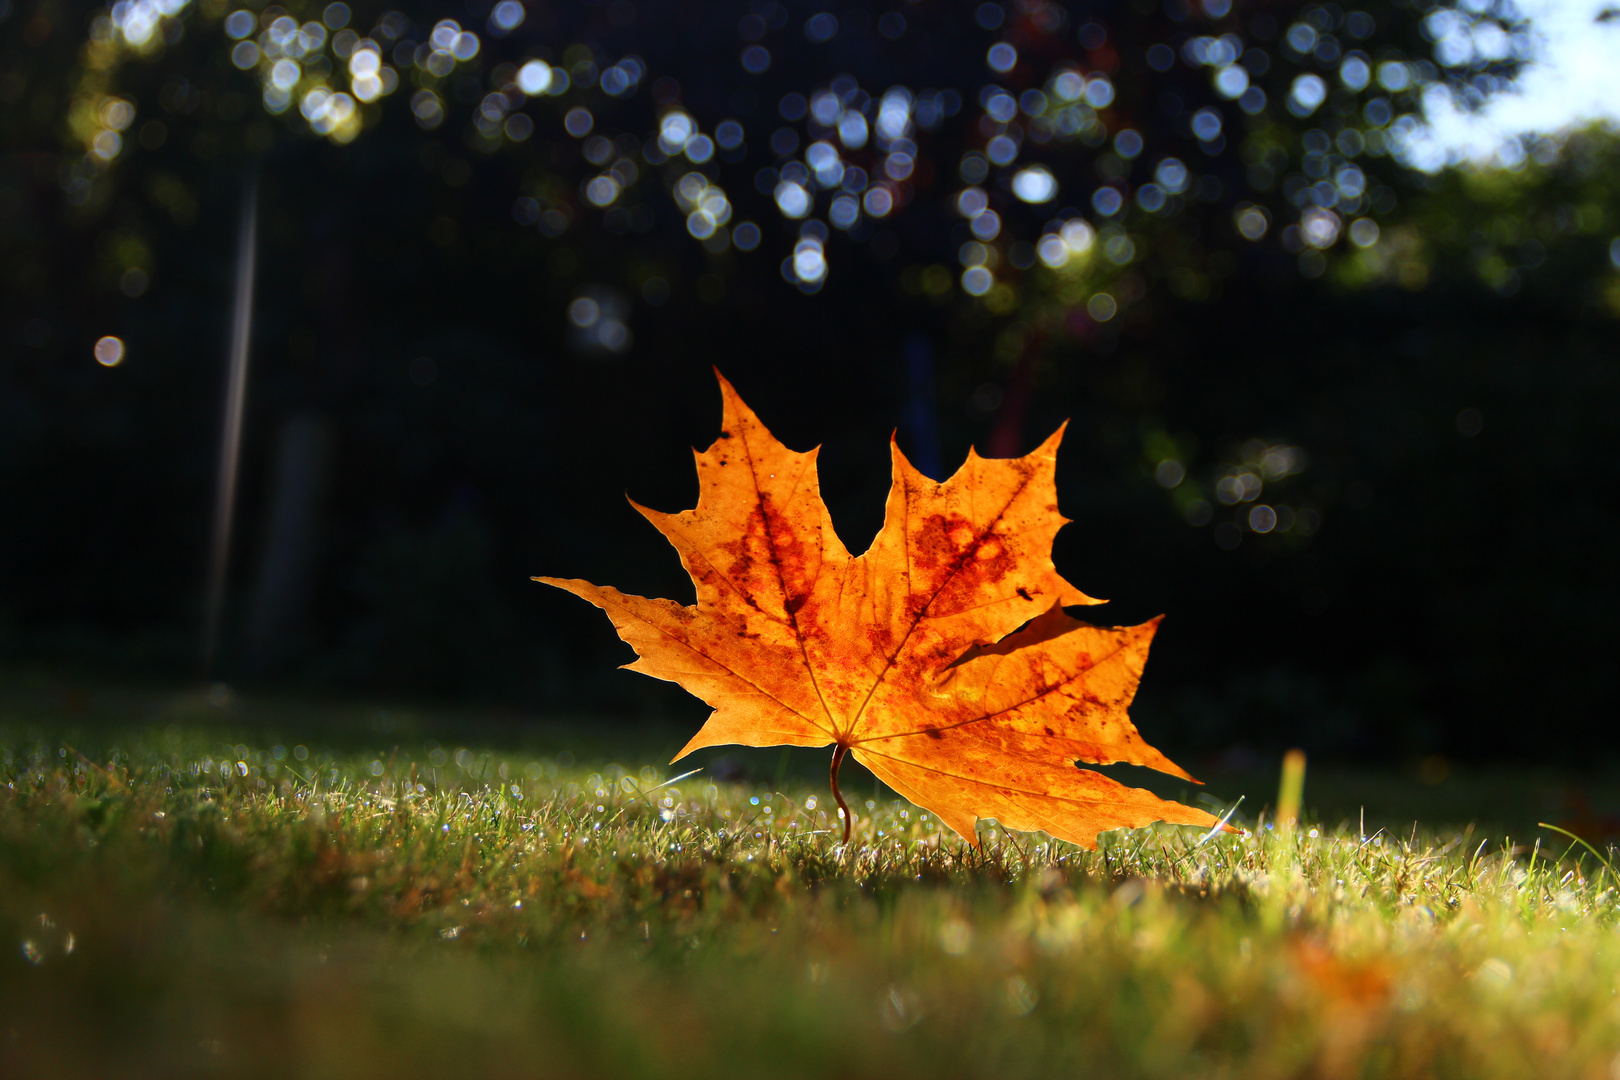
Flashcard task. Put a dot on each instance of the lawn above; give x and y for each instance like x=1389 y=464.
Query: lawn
x=277 y=888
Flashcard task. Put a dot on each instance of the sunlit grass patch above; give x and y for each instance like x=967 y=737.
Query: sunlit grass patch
x=172 y=903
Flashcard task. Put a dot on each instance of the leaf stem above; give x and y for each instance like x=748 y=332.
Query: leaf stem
x=837 y=760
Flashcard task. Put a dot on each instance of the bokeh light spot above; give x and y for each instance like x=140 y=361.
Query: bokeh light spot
x=1320 y=227
x=602 y=190
x=284 y=74
x=1119 y=249
x=579 y=122
x=809 y=262
x=1001 y=106
x=133 y=282
x=239 y=24
x=1052 y=251
x=534 y=77
x=106 y=145
x=792 y=199
x=844 y=212
x=1171 y=175
x=1394 y=76
x=1307 y=93
x=1252 y=221
x=507 y=16
x=584 y=312
x=986 y=226
x=1069 y=86
x=1355 y=73
x=1232 y=81
x=1035 y=185
x=756 y=59
x=821 y=27
x=1364 y=232
x=426 y=108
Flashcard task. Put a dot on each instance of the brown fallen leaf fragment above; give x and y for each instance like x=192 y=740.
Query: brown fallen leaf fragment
x=941 y=659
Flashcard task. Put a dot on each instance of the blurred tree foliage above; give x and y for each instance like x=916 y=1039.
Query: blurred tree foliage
x=1350 y=423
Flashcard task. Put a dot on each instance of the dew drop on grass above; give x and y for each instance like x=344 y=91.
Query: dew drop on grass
x=1021 y=997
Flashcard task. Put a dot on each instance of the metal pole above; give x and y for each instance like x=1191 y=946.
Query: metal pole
x=230 y=440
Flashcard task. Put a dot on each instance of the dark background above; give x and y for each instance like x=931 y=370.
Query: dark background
x=411 y=343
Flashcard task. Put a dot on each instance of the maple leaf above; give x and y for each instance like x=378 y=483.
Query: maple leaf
x=941 y=659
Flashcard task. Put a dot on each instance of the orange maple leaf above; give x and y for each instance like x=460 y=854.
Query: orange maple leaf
x=941 y=659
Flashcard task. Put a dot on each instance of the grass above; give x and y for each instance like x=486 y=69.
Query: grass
x=181 y=899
